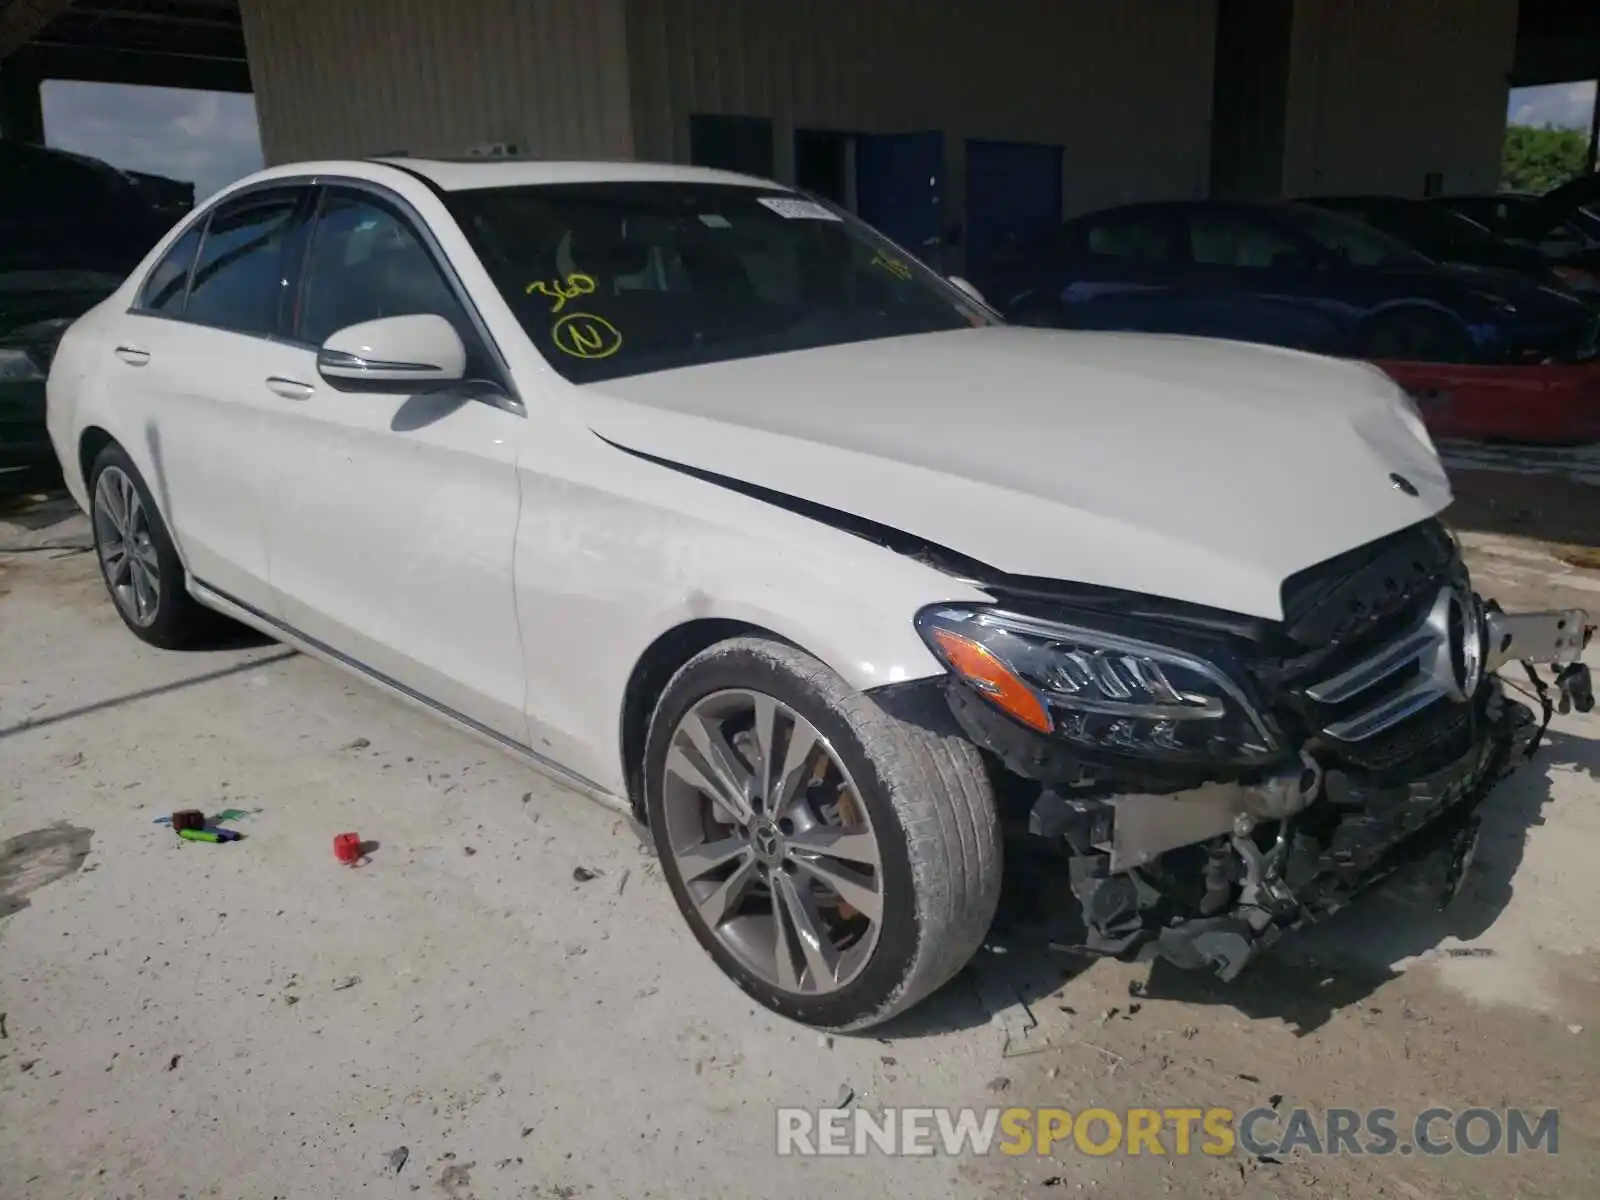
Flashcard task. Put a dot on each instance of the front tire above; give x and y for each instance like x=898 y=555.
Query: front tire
x=138 y=561
x=838 y=860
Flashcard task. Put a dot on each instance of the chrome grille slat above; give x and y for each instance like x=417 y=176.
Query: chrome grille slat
x=1426 y=650
x=1389 y=713
x=1373 y=670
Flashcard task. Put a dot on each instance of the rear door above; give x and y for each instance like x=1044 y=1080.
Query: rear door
x=189 y=368
x=393 y=517
x=1248 y=278
x=1112 y=270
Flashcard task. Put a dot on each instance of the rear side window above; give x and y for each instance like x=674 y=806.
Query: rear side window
x=238 y=280
x=167 y=286
x=1144 y=237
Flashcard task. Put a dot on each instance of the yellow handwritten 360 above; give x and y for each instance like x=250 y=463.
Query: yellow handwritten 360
x=578 y=284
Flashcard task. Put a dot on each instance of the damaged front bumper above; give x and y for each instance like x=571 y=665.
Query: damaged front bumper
x=1208 y=875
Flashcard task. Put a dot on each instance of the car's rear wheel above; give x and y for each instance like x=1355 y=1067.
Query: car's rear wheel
x=1416 y=336
x=138 y=561
x=839 y=860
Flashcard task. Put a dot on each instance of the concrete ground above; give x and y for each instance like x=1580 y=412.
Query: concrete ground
x=463 y=1017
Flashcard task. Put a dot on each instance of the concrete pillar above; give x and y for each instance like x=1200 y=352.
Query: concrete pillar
x=1250 y=81
x=21 y=106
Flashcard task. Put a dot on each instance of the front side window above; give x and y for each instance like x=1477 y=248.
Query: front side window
x=616 y=279
x=1353 y=243
x=365 y=262
x=238 y=279
x=167 y=286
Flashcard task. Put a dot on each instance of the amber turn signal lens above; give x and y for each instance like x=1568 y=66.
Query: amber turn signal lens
x=979 y=667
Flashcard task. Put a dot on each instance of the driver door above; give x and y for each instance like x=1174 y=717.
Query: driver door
x=393 y=518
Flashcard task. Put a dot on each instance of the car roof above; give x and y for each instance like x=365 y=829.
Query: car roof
x=1522 y=197
x=1362 y=198
x=474 y=174
x=1266 y=208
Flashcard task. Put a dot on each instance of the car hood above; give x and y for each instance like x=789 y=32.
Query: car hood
x=1196 y=470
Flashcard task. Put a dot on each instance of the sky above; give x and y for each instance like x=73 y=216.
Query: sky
x=1564 y=105
x=211 y=139
x=205 y=138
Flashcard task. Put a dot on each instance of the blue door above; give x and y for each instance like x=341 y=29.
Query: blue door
x=900 y=189
x=1013 y=196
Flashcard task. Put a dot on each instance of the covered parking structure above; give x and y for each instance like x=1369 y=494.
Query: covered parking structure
x=945 y=121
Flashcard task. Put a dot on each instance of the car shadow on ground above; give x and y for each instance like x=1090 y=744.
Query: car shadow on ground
x=1308 y=976
x=228 y=635
x=35 y=510
x=44 y=720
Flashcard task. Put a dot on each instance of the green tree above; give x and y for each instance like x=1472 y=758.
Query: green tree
x=1536 y=160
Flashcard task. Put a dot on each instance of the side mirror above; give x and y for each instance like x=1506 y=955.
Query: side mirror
x=971 y=291
x=417 y=353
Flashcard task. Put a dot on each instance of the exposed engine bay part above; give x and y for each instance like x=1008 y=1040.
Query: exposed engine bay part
x=1576 y=686
x=1138 y=827
x=1556 y=637
x=1220 y=903
x=1212 y=787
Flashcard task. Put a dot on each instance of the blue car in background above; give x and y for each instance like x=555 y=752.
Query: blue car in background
x=1283 y=274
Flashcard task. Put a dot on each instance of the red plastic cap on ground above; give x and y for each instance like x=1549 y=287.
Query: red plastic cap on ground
x=347 y=847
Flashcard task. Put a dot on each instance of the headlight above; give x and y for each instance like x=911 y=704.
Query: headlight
x=17 y=367
x=1101 y=691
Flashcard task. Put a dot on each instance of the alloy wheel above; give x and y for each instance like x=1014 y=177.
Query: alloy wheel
x=127 y=553
x=772 y=842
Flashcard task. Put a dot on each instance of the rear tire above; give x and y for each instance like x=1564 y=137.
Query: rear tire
x=894 y=772
x=143 y=574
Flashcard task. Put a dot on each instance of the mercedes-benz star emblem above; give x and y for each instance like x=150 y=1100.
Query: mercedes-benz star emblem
x=1401 y=484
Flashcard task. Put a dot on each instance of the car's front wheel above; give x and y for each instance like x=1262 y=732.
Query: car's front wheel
x=838 y=855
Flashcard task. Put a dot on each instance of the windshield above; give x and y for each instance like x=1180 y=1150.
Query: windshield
x=1586 y=222
x=1527 y=218
x=1457 y=229
x=1581 y=192
x=1356 y=242
x=615 y=279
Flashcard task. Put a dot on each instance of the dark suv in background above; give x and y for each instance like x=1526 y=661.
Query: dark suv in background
x=71 y=228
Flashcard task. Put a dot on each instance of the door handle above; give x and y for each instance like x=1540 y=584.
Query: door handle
x=290 y=389
x=133 y=356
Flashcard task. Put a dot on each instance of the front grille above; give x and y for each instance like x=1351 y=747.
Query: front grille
x=1357 y=684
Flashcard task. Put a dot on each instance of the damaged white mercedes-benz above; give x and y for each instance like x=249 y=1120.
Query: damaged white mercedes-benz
x=703 y=497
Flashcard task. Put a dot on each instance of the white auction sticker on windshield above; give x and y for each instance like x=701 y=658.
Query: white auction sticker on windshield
x=797 y=209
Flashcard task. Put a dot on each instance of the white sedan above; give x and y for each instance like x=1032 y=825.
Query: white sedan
x=704 y=498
